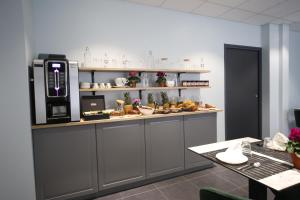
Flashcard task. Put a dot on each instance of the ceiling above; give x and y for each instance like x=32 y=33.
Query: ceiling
x=256 y=12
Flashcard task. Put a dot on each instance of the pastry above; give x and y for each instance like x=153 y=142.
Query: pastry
x=209 y=106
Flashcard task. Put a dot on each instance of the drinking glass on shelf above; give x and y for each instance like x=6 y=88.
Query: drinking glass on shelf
x=96 y=61
x=114 y=62
x=163 y=62
x=173 y=77
x=186 y=63
x=106 y=60
x=87 y=56
x=150 y=59
x=124 y=61
x=145 y=80
x=173 y=101
x=202 y=63
x=246 y=149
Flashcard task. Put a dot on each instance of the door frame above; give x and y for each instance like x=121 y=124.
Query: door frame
x=259 y=50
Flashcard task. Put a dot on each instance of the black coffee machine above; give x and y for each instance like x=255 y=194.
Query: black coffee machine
x=56 y=92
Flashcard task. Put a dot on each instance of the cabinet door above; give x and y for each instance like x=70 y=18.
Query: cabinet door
x=164 y=146
x=121 y=153
x=199 y=130
x=65 y=162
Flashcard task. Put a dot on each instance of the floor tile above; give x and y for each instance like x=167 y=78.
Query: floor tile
x=197 y=174
x=137 y=190
x=218 y=168
x=110 y=197
x=212 y=180
x=240 y=192
x=169 y=182
x=181 y=191
x=233 y=177
x=187 y=187
x=150 y=195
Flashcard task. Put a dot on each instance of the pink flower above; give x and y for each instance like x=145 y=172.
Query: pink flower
x=136 y=101
x=133 y=74
x=295 y=135
x=161 y=74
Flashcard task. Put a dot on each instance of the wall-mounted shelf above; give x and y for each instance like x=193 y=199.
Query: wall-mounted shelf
x=140 y=89
x=118 y=69
x=179 y=71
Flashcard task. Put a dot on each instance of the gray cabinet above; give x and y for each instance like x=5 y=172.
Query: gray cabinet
x=199 y=130
x=121 y=153
x=164 y=146
x=65 y=162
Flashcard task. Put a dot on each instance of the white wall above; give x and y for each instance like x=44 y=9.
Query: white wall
x=275 y=79
x=27 y=16
x=16 y=168
x=294 y=75
x=67 y=26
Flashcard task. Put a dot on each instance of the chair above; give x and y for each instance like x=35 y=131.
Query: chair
x=209 y=193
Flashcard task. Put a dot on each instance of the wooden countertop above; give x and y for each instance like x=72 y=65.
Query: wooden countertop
x=123 y=118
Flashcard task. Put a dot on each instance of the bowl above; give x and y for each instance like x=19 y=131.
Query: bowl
x=146 y=110
x=120 y=82
x=170 y=83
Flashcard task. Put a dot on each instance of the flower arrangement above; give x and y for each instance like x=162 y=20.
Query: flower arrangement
x=136 y=102
x=133 y=78
x=293 y=146
x=161 y=79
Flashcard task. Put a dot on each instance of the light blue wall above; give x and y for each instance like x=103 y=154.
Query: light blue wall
x=67 y=26
x=16 y=168
x=294 y=74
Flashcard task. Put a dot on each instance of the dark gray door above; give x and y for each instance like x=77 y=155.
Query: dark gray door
x=65 y=162
x=121 y=153
x=242 y=83
x=164 y=146
x=199 y=130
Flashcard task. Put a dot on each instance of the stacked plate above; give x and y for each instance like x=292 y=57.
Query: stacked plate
x=85 y=85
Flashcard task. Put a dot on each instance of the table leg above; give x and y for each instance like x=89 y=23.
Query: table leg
x=257 y=190
x=292 y=193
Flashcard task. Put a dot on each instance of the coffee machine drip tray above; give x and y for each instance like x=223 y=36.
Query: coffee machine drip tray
x=94 y=115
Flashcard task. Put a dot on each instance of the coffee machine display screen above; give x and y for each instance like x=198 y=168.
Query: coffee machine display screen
x=56 y=65
x=57 y=78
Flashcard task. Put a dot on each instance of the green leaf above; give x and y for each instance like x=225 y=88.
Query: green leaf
x=290 y=149
x=294 y=143
x=297 y=145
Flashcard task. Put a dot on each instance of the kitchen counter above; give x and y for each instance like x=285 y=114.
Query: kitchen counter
x=108 y=155
x=123 y=118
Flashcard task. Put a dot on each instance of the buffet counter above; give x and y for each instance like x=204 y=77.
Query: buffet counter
x=96 y=157
x=124 y=118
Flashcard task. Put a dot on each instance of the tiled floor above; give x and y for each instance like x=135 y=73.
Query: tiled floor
x=187 y=187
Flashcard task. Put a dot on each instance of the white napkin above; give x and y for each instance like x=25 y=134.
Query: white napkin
x=234 y=149
x=278 y=143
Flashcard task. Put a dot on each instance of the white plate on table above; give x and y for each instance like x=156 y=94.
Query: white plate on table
x=231 y=158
